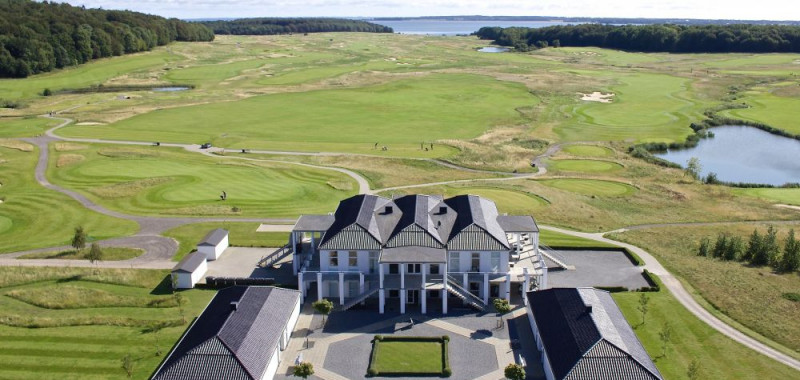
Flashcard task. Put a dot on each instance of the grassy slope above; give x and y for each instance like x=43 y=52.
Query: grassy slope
x=587 y=151
x=399 y=115
x=109 y=254
x=584 y=166
x=789 y=196
x=241 y=234
x=557 y=239
x=93 y=351
x=735 y=289
x=168 y=181
x=34 y=217
x=24 y=127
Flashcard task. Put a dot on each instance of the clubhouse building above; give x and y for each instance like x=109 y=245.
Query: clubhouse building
x=416 y=251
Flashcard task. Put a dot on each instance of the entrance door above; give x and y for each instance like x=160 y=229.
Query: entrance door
x=373 y=262
x=353 y=288
x=412 y=296
x=333 y=289
x=494 y=290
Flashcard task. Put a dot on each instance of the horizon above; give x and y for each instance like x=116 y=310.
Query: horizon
x=737 y=10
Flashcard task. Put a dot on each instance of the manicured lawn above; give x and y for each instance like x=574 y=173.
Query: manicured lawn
x=584 y=166
x=109 y=254
x=777 y=111
x=25 y=127
x=78 y=323
x=34 y=217
x=731 y=288
x=165 y=181
x=557 y=239
x=408 y=356
x=591 y=187
x=399 y=115
x=588 y=151
x=241 y=234
x=788 y=196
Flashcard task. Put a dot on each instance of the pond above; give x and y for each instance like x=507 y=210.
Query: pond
x=170 y=89
x=744 y=154
x=493 y=49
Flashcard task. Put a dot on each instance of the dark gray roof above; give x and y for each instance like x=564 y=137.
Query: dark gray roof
x=228 y=343
x=190 y=263
x=517 y=223
x=313 y=223
x=476 y=226
x=214 y=237
x=412 y=254
x=374 y=216
x=415 y=227
x=588 y=343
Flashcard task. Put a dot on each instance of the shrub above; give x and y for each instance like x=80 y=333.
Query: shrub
x=447 y=372
x=378 y=338
x=445 y=338
x=47 y=92
x=794 y=297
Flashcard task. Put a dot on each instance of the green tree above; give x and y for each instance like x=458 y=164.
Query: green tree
x=79 y=238
x=768 y=255
x=514 y=371
x=705 y=247
x=304 y=370
x=665 y=336
x=323 y=307
x=693 y=168
x=790 y=261
x=754 y=246
x=734 y=248
x=720 y=246
x=95 y=253
x=502 y=306
x=643 y=305
x=127 y=365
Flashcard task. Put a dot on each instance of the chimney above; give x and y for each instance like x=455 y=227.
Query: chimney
x=388 y=210
x=442 y=210
x=234 y=305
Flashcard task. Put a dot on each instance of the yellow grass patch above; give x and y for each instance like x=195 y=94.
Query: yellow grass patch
x=69 y=159
x=128 y=189
x=67 y=146
x=16 y=144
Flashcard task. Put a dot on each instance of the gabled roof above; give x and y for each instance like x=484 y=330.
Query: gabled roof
x=517 y=223
x=313 y=223
x=376 y=216
x=584 y=332
x=476 y=223
x=214 y=237
x=415 y=227
x=190 y=263
x=232 y=343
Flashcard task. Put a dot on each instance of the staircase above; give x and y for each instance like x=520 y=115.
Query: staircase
x=471 y=299
x=555 y=257
x=372 y=288
x=274 y=257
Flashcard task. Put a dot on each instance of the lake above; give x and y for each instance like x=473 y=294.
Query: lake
x=170 y=89
x=494 y=49
x=744 y=154
x=452 y=28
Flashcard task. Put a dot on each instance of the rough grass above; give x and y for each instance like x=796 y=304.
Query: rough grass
x=583 y=166
x=241 y=234
x=508 y=199
x=591 y=187
x=166 y=181
x=16 y=144
x=718 y=356
x=408 y=357
x=78 y=323
x=34 y=217
x=732 y=288
x=109 y=254
x=557 y=239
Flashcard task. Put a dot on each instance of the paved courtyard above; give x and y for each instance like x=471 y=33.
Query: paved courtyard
x=597 y=268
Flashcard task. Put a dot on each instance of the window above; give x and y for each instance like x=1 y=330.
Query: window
x=334 y=258
x=455 y=262
x=353 y=259
x=434 y=268
x=394 y=268
x=394 y=293
x=495 y=262
x=476 y=262
x=413 y=268
x=373 y=261
x=433 y=293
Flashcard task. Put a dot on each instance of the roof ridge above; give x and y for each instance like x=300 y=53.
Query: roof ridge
x=236 y=357
x=628 y=354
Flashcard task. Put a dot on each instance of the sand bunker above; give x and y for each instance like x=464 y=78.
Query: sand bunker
x=790 y=207
x=89 y=123
x=598 y=97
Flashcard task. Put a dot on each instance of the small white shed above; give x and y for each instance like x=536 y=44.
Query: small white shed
x=189 y=271
x=214 y=244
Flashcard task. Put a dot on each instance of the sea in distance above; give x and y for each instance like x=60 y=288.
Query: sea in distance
x=453 y=28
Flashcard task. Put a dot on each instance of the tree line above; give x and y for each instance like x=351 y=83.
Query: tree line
x=39 y=37
x=268 y=26
x=745 y=38
x=760 y=250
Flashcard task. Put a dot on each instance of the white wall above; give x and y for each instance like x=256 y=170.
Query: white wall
x=188 y=280
x=272 y=367
x=344 y=256
x=213 y=253
x=465 y=261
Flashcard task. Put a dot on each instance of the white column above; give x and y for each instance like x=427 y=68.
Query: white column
x=508 y=287
x=465 y=284
x=486 y=288
x=381 y=292
x=341 y=288
x=444 y=290
x=525 y=286
x=295 y=254
x=313 y=249
x=424 y=291
x=301 y=286
x=319 y=286
x=361 y=289
x=402 y=288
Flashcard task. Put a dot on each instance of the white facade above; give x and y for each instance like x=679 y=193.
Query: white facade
x=213 y=252
x=277 y=356
x=187 y=280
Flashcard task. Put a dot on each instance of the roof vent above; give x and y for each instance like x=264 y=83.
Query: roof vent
x=443 y=210
x=388 y=210
x=234 y=305
x=438 y=223
x=588 y=309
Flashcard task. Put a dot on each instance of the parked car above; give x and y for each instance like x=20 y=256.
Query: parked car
x=205 y=146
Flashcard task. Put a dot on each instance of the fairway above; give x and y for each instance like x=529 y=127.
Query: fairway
x=25 y=127
x=776 y=111
x=508 y=200
x=399 y=115
x=168 y=181
x=34 y=217
x=584 y=166
x=558 y=240
x=588 y=151
x=591 y=186
x=788 y=196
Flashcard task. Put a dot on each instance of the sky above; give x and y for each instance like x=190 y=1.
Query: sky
x=704 y=9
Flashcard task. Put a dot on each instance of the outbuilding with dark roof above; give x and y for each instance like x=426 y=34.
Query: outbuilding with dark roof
x=189 y=270
x=214 y=244
x=239 y=336
x=582 y=334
